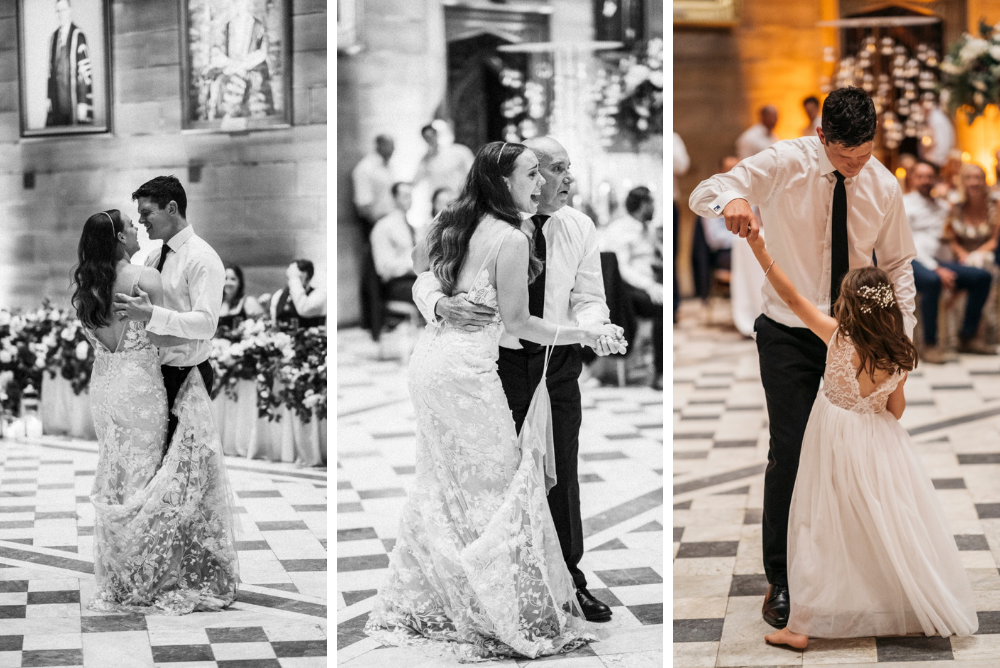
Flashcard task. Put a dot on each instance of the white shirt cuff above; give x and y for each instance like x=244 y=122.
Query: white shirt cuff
x=722 y=200
x=157 y=321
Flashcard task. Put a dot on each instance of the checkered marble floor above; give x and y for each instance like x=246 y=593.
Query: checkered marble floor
x=720 y=451
x=621 y=475
x=46 y=571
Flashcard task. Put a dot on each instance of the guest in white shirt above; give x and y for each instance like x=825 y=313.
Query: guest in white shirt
x=926 y=216
x=193 y=281
x=393 y=241
x=299 y=304
x=372 y=178
x=682 y=162
x=629 y=238
x=942 y=135
x=571 y=292
x=758 y=137
x=811 y=106
x=443 y=166
x=827 y=208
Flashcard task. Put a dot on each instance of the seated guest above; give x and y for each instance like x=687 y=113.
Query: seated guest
x=926 y=215
x=972 y=227
x=237 y=306
x=298 y=304
x=393 y=240
x=631 y=240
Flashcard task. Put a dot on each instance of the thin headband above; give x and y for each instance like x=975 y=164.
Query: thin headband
x=501 y=152
x=112 y=221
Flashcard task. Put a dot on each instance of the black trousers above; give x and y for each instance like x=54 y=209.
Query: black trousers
x=792 y=361
x=520 y=373
x=399 y=289
x=173 y=378
x=644 y=306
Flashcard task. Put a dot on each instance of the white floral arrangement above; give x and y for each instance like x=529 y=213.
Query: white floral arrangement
x=971 y=72
x=629 y=96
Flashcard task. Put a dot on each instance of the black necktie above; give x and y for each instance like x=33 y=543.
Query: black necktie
x=163 y=257
x=536 y=290
x=839 y=263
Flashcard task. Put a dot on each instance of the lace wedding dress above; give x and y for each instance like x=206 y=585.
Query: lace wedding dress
x=869 y=549
x=476 y=571
x=163 y=536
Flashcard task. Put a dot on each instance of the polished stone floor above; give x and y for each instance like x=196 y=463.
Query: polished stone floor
x=720 y=450
x=621 y=474
x=46 y=571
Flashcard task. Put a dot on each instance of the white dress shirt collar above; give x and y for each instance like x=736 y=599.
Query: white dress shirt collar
x=180 y=238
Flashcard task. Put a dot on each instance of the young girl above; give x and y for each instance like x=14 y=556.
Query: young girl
x=869 y=550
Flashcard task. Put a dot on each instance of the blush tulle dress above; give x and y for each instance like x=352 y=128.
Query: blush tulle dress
x=870 y=552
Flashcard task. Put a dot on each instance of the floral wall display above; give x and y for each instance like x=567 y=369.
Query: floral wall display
x=971 y=72
x=288 y=366
x=629 y=97
x=902 y=82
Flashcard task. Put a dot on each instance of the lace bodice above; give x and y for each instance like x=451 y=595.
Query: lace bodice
x=840 y=382
x=133 y=339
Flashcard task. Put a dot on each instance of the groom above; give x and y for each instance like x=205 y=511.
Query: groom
x=569 y=290
x=193 y=278
x=827 y=208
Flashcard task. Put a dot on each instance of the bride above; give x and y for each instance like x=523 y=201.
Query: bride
x=477 y=566
x=163 y=538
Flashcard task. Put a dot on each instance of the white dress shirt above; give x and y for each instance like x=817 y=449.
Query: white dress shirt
x=392 y=241
x=793 y=183
x=574 y=285
x=682 y=162
x=193 y=280
x=926 y=216
x=754 y=140
x=447 y=168
x=630 y=241
x=312 y=305
x=942 y=137
x=373 y=179
x=810 y=129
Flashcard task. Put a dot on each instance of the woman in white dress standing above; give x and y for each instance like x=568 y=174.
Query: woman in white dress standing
x=163 y=535
x=477 y=570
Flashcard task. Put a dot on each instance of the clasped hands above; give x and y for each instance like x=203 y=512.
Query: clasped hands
x=470 y=316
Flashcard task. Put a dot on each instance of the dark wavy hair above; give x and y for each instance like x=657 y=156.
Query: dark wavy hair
x=241 y=287
x=94 y=275
x=849 y=117
x=484 y=193
x=876 y=331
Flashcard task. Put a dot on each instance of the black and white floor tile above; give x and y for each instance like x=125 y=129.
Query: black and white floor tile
x=621 y=475
x=720 y=451
x=46 y=571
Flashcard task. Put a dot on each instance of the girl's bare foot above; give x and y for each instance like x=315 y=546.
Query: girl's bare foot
x=786 y=637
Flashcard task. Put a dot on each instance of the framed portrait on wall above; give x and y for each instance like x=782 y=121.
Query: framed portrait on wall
x=64 y=52
x=235 y=64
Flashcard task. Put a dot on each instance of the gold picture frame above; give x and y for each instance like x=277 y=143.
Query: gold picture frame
x=712 y=13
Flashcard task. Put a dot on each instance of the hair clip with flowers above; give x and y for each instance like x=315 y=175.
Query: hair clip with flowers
x=880 y=296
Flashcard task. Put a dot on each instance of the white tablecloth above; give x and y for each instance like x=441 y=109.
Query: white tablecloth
x=64 y=413
x=245 y=435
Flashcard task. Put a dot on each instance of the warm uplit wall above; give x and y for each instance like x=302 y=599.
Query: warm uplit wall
x=261 y=199
x=722 y=76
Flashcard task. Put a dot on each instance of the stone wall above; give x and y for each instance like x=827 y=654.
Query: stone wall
x=261 y=198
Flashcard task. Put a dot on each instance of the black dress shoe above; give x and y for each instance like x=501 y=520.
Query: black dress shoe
x=593 y=610
x=776 y=606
